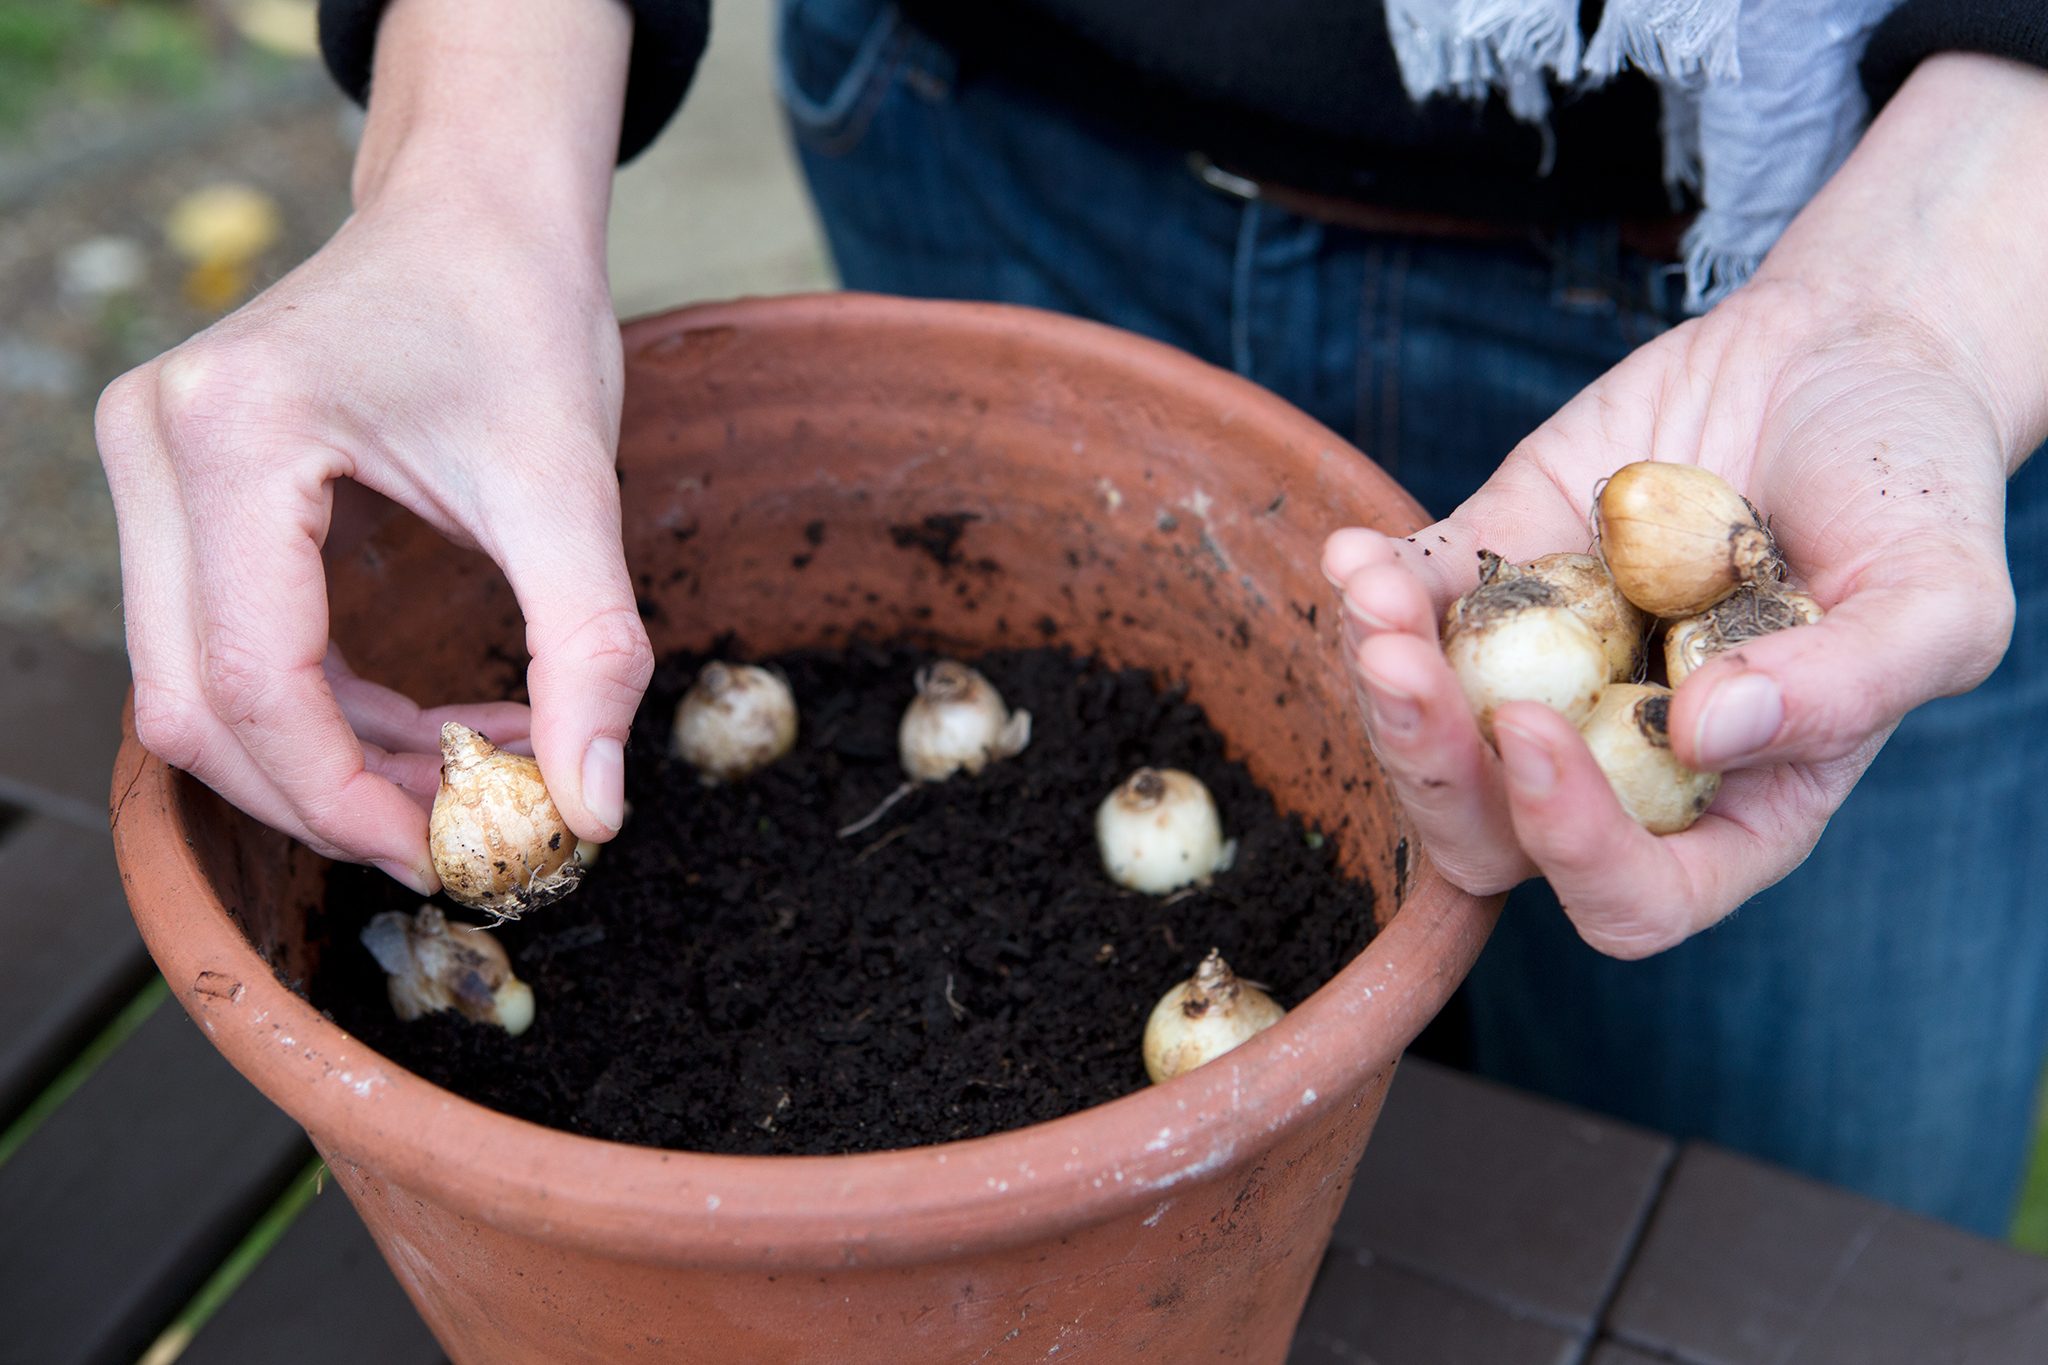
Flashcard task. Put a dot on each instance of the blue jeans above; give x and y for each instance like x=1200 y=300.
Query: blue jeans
x=1880 y=1018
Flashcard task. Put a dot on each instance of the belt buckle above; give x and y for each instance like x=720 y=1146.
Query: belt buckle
x=1222 y=181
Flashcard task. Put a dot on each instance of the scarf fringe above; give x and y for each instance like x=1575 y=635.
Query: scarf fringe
x=1678 y=122
x=1470 y=47
x=1529 y=44
x=1689 y=41
x=1430 y=53
x=1759 y=97
x=1713 y=271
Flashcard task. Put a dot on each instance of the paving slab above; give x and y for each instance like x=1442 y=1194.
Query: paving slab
x=123 y=1201
x=323 y=1296
x=1366 y=1312
x=1527 y=1203
x=69 y=954
x=1746 y=1264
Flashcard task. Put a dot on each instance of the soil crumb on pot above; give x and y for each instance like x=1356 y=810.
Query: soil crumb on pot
x=734 y=977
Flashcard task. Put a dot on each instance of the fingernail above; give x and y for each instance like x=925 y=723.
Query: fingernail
x=1360 y=616
x=1529 y=766
x=604 y=781
x=1741 y=717
x=1391 y=711
x=407 y=876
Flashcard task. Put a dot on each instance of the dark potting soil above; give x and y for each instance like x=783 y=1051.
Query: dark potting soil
x=735 y=977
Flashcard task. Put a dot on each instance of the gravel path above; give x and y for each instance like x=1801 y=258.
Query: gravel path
x=714 y=209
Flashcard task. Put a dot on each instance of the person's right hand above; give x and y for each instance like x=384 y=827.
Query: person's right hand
x=453 y=348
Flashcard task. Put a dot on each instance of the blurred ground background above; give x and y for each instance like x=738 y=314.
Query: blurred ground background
x=115 y=113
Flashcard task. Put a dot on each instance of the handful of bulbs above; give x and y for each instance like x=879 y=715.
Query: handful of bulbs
x=1680 y=551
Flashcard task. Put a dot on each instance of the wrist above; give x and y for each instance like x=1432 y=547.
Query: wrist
x=1931 y=226
x=516 y=105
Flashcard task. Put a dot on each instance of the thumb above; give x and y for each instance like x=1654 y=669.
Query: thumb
x=590 y=657
x=1930 y=628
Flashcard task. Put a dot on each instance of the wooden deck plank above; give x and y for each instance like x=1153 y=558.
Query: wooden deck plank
x=124 y=1200
x=1746 y=1264
x=1526 y=1203
x=71 y=956
x=1607 y=1353
x=63 y=709
x=1363 y=1312
x=323 y=1296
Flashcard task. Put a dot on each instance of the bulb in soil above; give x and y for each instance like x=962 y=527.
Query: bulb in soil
x=1630 y=736
x=1516 y=637
x=735 y=720
x=497 y=840
x=1751 y=611
x=1204 y=1017
x=1583 y=584
x=431 y=966
x=1679 y=538
x=957 y=723
x=1159 y=832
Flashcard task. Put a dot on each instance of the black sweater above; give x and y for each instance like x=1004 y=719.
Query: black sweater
x=1300 y=91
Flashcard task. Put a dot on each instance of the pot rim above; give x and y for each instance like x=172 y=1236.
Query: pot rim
x=814 y=1211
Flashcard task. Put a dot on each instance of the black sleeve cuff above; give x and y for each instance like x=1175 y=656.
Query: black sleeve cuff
x=1918 y=29
x=668 y=41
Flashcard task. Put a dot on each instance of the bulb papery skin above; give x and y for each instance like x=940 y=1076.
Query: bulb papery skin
x=1512 y=639
x=1159 y=832
x=1204 y=1017
x=1678 y=538
x=735 y=720
x=1751 y=611
x=1629 y=736
x=497 y=840
x=1584 y=585
x=431 y=966
x=957 y=723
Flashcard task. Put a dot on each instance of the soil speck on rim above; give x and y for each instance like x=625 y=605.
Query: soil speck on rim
x=734 y=977
x=938 y=535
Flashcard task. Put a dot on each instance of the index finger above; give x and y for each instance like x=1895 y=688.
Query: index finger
x=261 y=594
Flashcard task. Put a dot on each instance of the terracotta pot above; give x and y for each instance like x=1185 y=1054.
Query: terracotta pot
x=1140 y=504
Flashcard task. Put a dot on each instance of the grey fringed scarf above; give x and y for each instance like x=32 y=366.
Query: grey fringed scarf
x=1761 y=100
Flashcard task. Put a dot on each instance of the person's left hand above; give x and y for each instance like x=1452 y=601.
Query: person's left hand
x=1881 y=468
x=1871 y=390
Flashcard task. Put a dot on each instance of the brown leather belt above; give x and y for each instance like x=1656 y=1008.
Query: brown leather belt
x=1655 y=238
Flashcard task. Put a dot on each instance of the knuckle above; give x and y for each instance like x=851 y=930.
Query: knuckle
x=125 y=409
x=1831 y=726
x=204 y=391
x=1627 y=939
x=342 y=816
x=1476 y=877
x=615 y=644
x=325 y=819
x=170 y=725
x=1995 y=610
x=234 y=677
